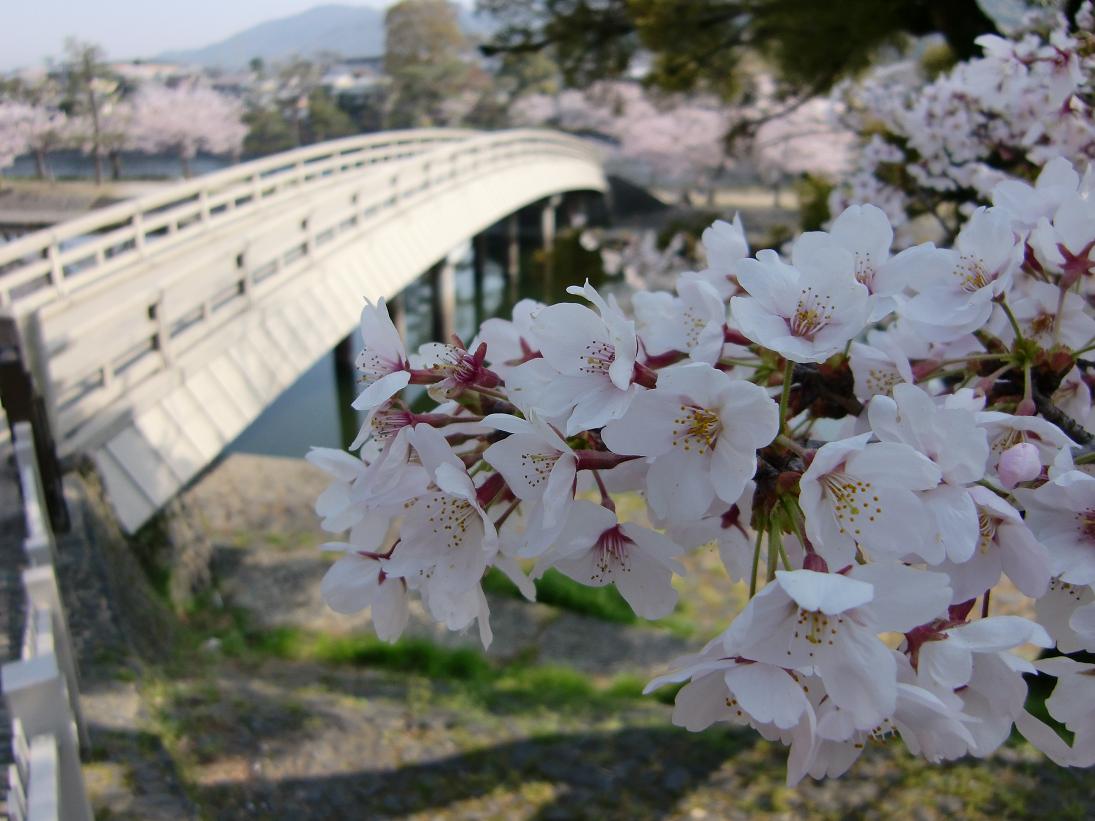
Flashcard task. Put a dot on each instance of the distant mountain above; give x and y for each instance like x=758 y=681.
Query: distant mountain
x=352 y=31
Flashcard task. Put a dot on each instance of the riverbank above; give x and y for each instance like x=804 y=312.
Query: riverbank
x=274 y=707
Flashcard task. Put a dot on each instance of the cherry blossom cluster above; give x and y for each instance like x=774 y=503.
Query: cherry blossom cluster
x=25 y=127
x=939 y=148
x=892 y=451
x=658 y=139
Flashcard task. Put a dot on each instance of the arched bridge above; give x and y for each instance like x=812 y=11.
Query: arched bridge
x=158 y=329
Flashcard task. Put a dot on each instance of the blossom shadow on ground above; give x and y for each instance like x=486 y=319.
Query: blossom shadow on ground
x=633 y=773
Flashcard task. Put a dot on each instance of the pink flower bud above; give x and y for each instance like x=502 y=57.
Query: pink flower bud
x=1019 y=463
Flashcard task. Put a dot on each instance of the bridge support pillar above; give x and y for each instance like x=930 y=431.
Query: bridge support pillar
x=345 y=353
x=443 y=286
x=478 y=270
x=547 y=222
x=513 y=253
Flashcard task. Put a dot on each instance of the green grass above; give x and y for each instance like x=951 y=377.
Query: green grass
x=513 y=686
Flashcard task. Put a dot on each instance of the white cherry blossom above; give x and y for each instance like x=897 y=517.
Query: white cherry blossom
x=806 y=311
x=701 y=430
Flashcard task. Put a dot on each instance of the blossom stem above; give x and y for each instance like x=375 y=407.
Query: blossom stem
x=756 y=561
x=794 y=514
x=775 y=548
x=489 y=392
x=791 y=445
x=785 y=395
x=506 y=513
x=606 y=499
x=1003 y=303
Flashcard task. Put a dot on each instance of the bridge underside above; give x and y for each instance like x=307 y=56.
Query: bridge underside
x=162 y=428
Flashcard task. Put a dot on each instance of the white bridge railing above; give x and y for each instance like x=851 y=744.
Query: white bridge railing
x=41 y=689
x=48 y=264
x=125 y=328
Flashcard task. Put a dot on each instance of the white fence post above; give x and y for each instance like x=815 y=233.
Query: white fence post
x=42 y=690
x=39 y=542
x=36 y=695
x=43 y=594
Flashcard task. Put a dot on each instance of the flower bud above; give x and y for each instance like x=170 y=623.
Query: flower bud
x=1019 y=463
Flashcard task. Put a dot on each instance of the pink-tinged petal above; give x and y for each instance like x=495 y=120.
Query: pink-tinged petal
x=513 y=572
x=767 y=693
x=1019 y=463
x=864 y=228
x=957 y=529
x=1045 y=739
x=1023 y=558
x=390 y=613
x=945 y=663
x=432 y=448
x=597 y=407
x=371 y=530
x=829 y=593
x=904 y=597
x=730 y=471
x=566 y=333
x=559 y=492
x=455 y=481
x=647 y=427
x=750 y=417
x=860 y=677
x=506 y=422
x=998 y=633
x=678 y=487
x=338 y=463
x=646 y=585
x=382 y=390
x=770 y=280
x=896 y=465
x=701 y=703
x=696 y=382
x=1083 y=623
x=377 y=329
x=350 y=584
x=804 y=743
x=756 y=321
x=525 y=462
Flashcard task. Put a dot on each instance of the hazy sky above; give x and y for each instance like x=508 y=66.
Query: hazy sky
x=32 y=30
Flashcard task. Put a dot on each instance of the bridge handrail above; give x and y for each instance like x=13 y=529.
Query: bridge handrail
x=41 y=688
x=33 y=267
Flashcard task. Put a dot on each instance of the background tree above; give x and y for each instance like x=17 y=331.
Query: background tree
x=326 y=119
x=268 y=132
x=90 y=82
x=186 y=120
x=698 y=45
x=424 y=58
x=13 y=141
x=117 y=126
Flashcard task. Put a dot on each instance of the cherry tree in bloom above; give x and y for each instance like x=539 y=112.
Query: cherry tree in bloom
x=13 y=133
x=187 y=119
x=663 y=140
x=874 y=441
x=931 y=146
